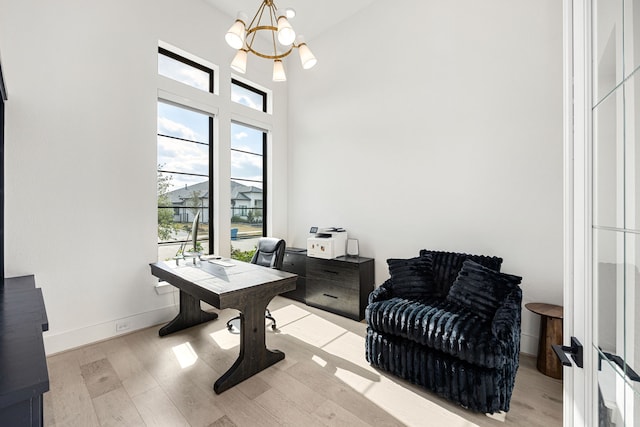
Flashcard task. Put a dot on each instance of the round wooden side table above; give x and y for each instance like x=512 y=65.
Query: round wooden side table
x=550 y=333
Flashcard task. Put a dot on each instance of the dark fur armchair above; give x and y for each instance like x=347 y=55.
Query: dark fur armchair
x=449 y=322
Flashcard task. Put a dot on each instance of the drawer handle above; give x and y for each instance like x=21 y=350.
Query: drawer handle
x=332 y=272
x=330 y=296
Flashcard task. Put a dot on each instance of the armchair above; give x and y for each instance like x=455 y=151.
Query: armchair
x=449 y=322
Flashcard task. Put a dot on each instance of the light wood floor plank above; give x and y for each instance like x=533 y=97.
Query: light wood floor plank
x=156 y=409
x=116 y=409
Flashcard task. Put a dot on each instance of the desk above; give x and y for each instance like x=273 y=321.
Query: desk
x=243 y=286
x=550 y=334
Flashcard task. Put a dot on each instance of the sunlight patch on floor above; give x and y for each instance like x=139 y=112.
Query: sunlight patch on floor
x=225 y=339
x=313 y=330
x=319 y=360
x=389 y=394
x=289 y=314
x=185 y=354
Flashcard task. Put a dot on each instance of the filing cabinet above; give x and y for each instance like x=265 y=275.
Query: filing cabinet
x=341 y=285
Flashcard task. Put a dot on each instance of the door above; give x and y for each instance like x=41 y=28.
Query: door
x=602 y=163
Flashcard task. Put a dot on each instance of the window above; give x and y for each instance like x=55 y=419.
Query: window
x=184 y=70
x=185 y=153
x=248 y=186
x=248 y=95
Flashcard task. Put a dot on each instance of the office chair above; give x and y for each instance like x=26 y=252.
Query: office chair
x=270 y=253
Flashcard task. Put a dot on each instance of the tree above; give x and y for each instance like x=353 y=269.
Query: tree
x=166 y=227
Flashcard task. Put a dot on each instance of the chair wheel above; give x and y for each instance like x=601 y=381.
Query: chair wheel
x=273 y=326
x=229 y=327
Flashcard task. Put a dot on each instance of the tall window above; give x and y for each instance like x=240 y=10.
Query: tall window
x=185 y=153
x=248 y=188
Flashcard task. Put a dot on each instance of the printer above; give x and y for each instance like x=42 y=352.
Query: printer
x=327 y=243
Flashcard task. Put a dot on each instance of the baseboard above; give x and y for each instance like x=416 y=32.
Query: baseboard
x=529 y=344
x=56 y=343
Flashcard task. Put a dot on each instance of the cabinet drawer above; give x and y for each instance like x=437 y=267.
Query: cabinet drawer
x=329 y=296
x=295 y=263
x=332 y=270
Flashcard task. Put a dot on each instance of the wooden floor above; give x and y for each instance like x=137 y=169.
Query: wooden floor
x=140 y=379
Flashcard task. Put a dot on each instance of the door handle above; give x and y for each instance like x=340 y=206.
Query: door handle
x=575 y=350
x=633 y=376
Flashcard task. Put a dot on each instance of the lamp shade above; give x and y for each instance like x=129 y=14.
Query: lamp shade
x=235 y=35
x=307 y=58
x=286 y=35
x=239 y=62
x=278 y=71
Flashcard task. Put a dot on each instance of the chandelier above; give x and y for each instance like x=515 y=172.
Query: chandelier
x=276 y=23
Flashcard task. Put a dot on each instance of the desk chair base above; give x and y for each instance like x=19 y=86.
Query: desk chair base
x=267 y=315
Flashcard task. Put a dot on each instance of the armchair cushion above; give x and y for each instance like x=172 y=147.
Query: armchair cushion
x=482 y=289
x=412 y=278
x=447 y=265
x=441 y=325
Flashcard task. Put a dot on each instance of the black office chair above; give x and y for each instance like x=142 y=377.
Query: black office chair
x=270 y=253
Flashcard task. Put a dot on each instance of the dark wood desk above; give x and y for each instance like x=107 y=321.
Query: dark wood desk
x=245 y=287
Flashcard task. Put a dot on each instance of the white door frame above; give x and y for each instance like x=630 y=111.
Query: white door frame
x=580 y=409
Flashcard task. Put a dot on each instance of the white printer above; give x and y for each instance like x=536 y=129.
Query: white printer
x=327 y=243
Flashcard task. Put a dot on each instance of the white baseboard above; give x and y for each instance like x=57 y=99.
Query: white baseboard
x=529 y=344
x=78 y=337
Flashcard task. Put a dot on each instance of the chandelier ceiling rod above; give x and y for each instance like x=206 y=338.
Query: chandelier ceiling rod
x=239 y=34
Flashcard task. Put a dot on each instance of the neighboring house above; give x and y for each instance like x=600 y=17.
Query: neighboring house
x=185 y=204
x=246 y=201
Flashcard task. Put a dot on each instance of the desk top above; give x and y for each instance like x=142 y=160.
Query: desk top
x=543 y=309
x=223 y=286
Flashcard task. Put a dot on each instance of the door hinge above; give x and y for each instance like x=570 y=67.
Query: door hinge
x=575 y=350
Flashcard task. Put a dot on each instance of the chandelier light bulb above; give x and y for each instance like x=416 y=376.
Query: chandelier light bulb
x=286 y=35
x=307 y=58
x=235 y=35
x=278 y=71
x=239 y=62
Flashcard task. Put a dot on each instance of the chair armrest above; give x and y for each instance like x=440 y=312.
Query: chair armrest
x=381 y=293
x=506 y=321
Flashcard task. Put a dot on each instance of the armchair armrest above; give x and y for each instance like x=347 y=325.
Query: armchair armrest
x=381 y=293
x=506 y=321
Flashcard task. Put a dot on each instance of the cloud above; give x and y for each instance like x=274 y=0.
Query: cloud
x=169 y=127
x=240 y=135
x=182 y=156
x=246 y=99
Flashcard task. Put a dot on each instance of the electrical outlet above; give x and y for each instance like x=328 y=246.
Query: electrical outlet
x=122 y=326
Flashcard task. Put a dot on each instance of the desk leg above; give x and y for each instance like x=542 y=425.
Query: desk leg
x=190 y=315
x=254 y=355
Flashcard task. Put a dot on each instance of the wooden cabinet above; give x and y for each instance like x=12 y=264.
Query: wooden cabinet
x=23 y=365
x=295 y=262
x=340 y=285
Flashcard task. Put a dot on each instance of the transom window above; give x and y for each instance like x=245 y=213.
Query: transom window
x=184 y=70
x=248 y=95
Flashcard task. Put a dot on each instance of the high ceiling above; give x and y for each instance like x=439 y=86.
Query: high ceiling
x=312 y=17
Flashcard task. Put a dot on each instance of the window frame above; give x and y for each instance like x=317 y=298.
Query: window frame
x=211 y=135
x=265 y=195
x=265 y=101
x=191 y=63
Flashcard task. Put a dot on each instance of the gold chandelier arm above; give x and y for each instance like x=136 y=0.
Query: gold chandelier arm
x=262 y=55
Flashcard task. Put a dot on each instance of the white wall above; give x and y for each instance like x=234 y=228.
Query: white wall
x=80 y=153
x=451 y=110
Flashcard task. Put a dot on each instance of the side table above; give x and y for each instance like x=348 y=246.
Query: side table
x=550 y=333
